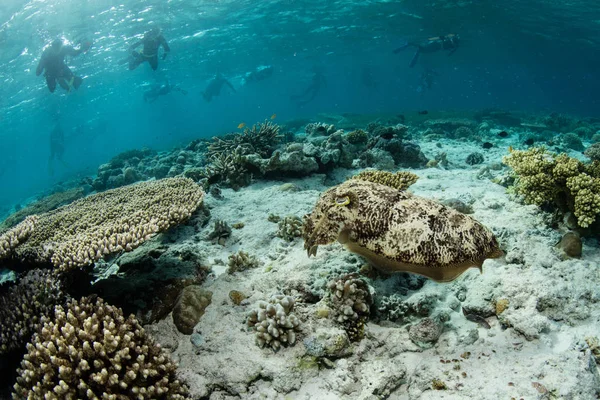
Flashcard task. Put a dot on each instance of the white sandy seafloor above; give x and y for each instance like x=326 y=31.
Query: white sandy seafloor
x=535 y=349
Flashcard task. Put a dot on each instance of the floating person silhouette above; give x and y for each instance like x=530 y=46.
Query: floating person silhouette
x=317 y=82
x=57 y=148
x=157 y=90
x=261 y=73
x=214 y=87
x=151 y=41
x=367 y=78
x=56 y=70
x=426 y=80
x=432 y=45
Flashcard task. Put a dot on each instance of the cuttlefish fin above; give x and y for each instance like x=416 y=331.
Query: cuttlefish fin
x=439 y=274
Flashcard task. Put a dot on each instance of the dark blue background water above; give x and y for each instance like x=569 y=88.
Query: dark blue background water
x=536 y=56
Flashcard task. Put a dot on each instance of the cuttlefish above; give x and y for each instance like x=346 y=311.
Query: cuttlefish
x=397 y=231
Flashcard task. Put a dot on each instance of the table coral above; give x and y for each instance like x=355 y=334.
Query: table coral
x=105 y=223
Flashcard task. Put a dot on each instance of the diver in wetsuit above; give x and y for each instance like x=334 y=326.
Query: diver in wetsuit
x=431 y=45
x=259 y=74
x=157 y=90
x=57 y=147
x=53 y=62
x=317 y=82
x=152 y=40
x=214 y=87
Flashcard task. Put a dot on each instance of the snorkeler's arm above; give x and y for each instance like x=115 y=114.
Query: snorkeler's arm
x=135 y=45
x=230 y=85
x=165 y=46
x=41 y=65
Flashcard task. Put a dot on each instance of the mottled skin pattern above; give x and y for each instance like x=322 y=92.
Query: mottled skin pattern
x=406 y=232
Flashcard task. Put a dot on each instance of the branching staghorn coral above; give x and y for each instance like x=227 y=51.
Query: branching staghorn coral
x=105 y=223
x=261 y=139
x=90 y=350
x=23 y=306
x=545 y=178
x=228 y=169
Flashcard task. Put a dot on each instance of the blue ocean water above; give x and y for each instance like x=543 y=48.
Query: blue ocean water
x=533 y=56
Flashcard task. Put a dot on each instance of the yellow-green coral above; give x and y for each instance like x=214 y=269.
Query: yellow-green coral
x=544 y=178
x=400 y=180
x=113 y=221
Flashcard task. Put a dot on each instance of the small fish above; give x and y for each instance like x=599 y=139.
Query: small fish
x=423 y=112
x=510 y=149
x=476 y=318
x=487 y=145
x=273 y=116
x=241 y=125
x=503 y=134
x=529 y=142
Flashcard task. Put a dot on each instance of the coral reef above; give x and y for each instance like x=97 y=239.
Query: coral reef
x=242 y=261
x=474 y=158
x=593 y=152
x=42 y=205
x=23 y=306
x=274 y=322
x=357 y=137
x=350 y=301
x=89 y=350
x=572 y=141
x=544 y=178
x=319 y=129
x=190 y=307
x=91 y=228
x=228 y=169
x=399 y=180
x=260 y=139
x=221 y=231
x=397 y=231
x=289 y=228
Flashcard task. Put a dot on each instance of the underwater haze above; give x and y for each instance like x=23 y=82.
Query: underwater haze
x=516 y=55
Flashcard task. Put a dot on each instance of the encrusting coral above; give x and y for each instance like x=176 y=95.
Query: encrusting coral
x=113 y=221
x=274 y=322
x=351 y=301
x=24 y=304
x=397 y=231
x=89 y=350
x=544 y=178
x=190 y=307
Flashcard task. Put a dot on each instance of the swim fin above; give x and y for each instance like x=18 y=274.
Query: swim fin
x=415 y=58
x=403 y=47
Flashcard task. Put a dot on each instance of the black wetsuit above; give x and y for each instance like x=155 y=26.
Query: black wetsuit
x=150 y=51
x=53 y=61
x=318 y=81
x=431 y=45
x=214 y=88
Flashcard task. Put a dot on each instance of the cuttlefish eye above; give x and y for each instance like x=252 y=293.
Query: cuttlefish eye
x=342 y=201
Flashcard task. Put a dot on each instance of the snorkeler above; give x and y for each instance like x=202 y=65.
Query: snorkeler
x=214 y=87
x=157 y=90
x=57 y=147
x=318 y=81
x=259 y=74
x=431 y=45
x=152 y=40
x=53 y=61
